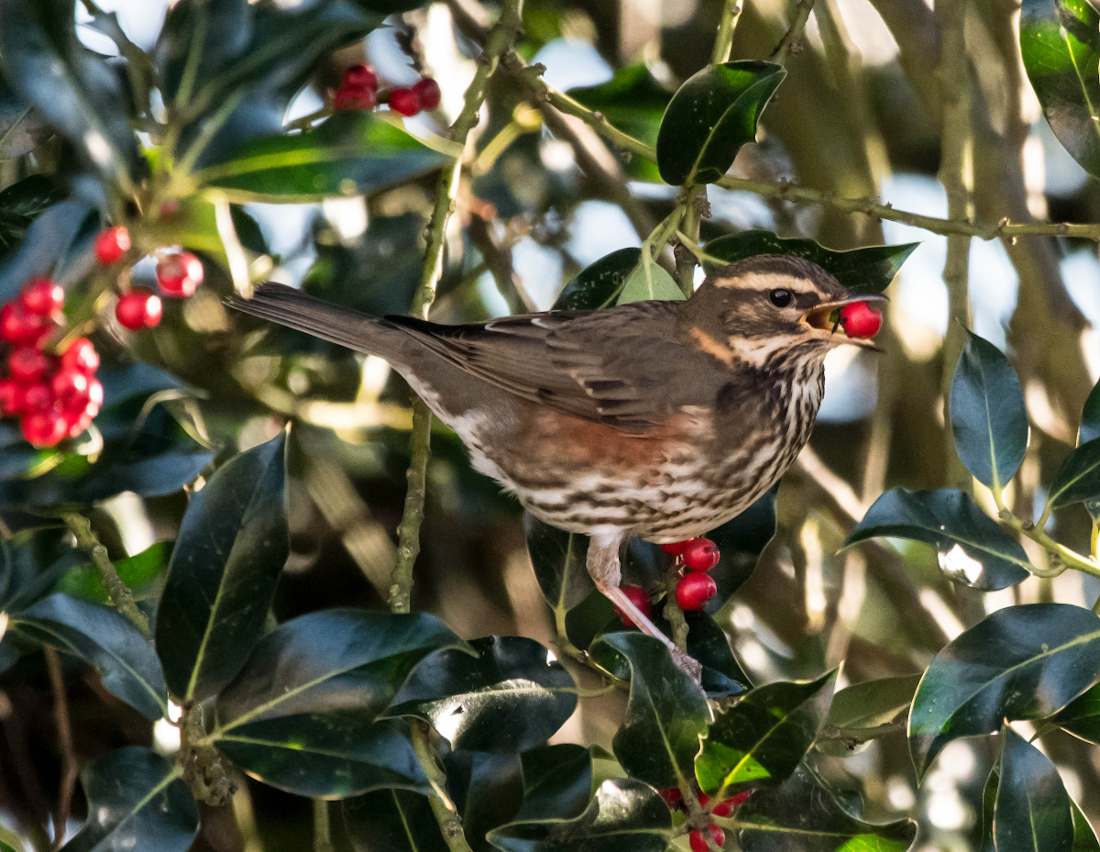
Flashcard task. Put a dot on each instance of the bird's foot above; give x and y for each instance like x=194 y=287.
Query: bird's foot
x=687 y=663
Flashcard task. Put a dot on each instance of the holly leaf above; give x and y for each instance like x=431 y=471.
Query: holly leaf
x=136 y=800
x=972 y=549
x=764 y=736
x=1032 y=810
x=872 y=702
x=21 y=203
x=741 y=541
x=599 y=284
x=48 y=238
x=711 y=116
x=1081 y=717
x=1090 y=417
x=557 y=782
x=707 y=642
x=1022 y=662
x=649 y=281
x=869 y=269
x=139 y=572
x=391 y=821
x=1078 y=477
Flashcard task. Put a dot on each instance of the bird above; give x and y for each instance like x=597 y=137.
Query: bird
x=654 y=419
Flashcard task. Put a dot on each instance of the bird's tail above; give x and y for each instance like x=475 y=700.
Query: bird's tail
x=294 y=309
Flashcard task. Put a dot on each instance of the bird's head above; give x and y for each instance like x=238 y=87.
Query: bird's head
x=764 y=305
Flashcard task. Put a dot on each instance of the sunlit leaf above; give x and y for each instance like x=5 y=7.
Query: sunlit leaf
x=599 y=284
x=139 y=572
x=649 y=281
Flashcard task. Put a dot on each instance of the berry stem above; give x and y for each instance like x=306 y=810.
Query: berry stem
x=119 y=593
x=672 y=612
x=307 y=121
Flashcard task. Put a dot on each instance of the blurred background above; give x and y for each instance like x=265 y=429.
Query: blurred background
x=858 y=116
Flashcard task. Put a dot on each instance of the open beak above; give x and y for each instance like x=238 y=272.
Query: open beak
x=823 y=322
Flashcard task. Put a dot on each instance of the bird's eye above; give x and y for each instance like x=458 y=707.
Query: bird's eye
x=780 y=298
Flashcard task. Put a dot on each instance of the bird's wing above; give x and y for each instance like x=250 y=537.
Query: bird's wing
x=621 y=366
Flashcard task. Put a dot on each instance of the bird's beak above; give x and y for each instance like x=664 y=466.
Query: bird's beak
x=821 y=320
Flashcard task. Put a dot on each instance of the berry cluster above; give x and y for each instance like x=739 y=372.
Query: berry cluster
x=859 y=320
x=54 y=396
x=694 y=557
x=179 y=274
x=698 y=840
x=359 y=90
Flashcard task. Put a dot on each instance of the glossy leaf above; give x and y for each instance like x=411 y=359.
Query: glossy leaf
x=391 y=821
x=869 y=269
x=486 y=788
x=764 y=736
x=1090 y=417
x=508 y=698
x=805 y=815
x=72 y=88
x=873 y=702
x=1084 y=836
x=599 y=284
x=106 y=640
x=972 y=549
x=47 y=239
x=741 y=542
x=1078 y=477
x=1081 y=717
x=1060 y=45
x=988 y=416
x=139 y=572
x=1033 y=810
x=557 y=782
x=649 y=281
x=666 y=713
x=351 y=153
x=711 y=116
x=1022 y=662
x=708 y=643
x=624 y=816
x=136 y=800
x=21 y=203
x=231 y=548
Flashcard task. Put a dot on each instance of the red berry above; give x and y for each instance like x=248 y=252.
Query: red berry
x=694 y=590
x=354 y=97
x=36 y=397
x=42 y=297
x=675 y=548
x=701 y=554
x=20 y=326
x=699 y=840
x=673 y=797
x=639 y=598
x=69 y=386
x=140 y=308
x=427 y=90
x=43 y=428
x=81 y=355
x=112 y=244
x=11 y=397
x=179 y=274
x=860 y=320
x=725 y=807
x=404 y=101
x=359 y=76
x=27 y=365
x=95 y=395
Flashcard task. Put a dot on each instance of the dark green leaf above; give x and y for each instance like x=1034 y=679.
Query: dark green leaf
x=509 y=698
x=869 y=269
x=350 y=154
x=989 y=805
x=1081 y=717
x=987 y=413
x=1060 y=44
x=71 y=88
x=741 y=542
x=391 y=821
x=230 y=551
x=804 y=815
x=711 y=116
x=707 y=642
x=873 y=702
x=557 y=782
x=764 y=736
x=1033 y=810
x=1084 y=837
x=666 y=714
x=32 y=562
x=1090 y=417
x=139 y=572
x=136 y=800
x=486 y=788
x=649 y=281
x=972 y=549
x=599 y=284
x=47 y=239
x=1078 y=478
x=624 y=816
x=97 y=634
x=21 y=203
x=1022 y=662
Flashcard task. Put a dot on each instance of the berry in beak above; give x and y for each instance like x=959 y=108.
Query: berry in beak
x=854 y=317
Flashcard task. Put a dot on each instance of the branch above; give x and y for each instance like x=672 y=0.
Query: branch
x=499 y=40
x=69 y=766
x=446 y=814
x=723 y=41
x=791 y=39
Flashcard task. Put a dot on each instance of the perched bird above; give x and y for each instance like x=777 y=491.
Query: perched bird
x=655 y=419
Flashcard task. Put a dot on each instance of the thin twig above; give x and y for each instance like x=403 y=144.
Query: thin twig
x=117 y=591
x=499 y=39
x=723 y=40
x=446 y=814
x=791 y=40
x=322 y=827
x=70 y=767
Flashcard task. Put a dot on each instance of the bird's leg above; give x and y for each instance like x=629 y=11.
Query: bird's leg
x=605 y=571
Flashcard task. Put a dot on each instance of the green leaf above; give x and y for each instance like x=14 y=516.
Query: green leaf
x=649 y=281
x=232 y=546
x=1022 y=662
x=1090 y=417
x=711 y=116
x=508 y=698
x=599 y=284
x=139 y=572
x=351 y=153
x=486 y=788
x=72 y=88
x=707 y=642
x=104 y=639
x=1078 y=477
x=1060 y=44
x=741 y=542
x=624 y=816
x=802 y=814
x=1084 y=837
x=557 y=782
x=633 y=101
x=988 y=416
x=972 y=549
x=1081 y=717
x=391 y=821
x=1033 y=810
x=136 y=800
x=21 y=203
x=48 y=238
x=764 y=736
x=873 y=702
x=869 y=269
x=666 y=713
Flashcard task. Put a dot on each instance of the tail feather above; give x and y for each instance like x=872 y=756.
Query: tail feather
x=294 y=309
